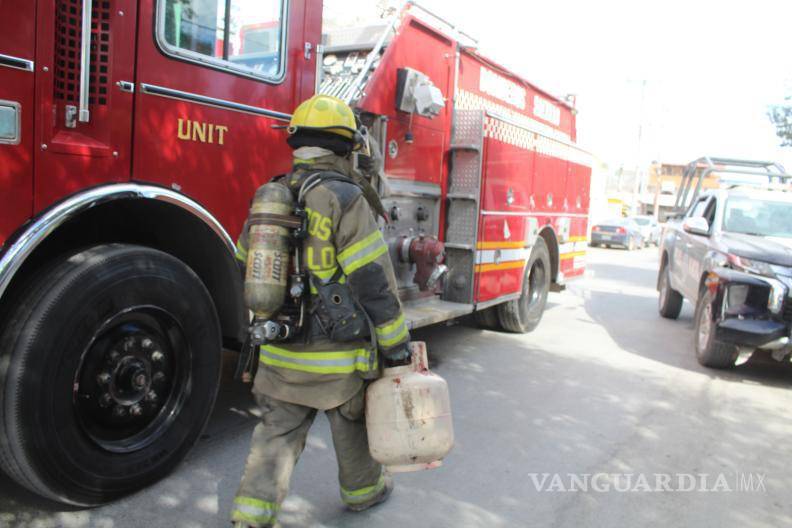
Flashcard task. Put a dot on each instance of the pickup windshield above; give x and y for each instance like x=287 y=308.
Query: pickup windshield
x=771 y=218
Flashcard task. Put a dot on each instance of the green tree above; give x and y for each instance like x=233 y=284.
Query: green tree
x=781 y=116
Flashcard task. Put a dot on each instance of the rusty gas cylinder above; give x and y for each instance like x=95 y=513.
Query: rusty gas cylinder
x=408 y=416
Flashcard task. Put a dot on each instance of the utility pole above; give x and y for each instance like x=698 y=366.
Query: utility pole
x=639 y=150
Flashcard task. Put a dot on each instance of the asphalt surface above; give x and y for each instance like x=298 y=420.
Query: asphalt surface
x=604 y=388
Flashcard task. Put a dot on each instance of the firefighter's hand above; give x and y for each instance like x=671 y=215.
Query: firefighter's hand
x=398 y=356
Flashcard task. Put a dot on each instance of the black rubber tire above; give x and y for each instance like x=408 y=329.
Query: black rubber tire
x=524 y=314
x=669 y=302
x=43 y=444
x=487 y=318
x=709 y=351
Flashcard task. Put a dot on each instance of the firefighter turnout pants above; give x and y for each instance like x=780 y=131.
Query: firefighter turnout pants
x=279 y=439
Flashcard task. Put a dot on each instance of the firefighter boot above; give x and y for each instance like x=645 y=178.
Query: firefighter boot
x=276 y=445
x=379 y=499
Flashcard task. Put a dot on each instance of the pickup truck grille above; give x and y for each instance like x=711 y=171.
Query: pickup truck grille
x=787 y=313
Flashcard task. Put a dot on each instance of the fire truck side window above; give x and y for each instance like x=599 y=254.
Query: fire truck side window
x=243 y=35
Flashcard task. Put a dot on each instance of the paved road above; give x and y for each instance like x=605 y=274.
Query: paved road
x=604 y=387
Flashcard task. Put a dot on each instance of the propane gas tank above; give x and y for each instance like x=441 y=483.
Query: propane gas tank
x=267 y=270
x=408 y=416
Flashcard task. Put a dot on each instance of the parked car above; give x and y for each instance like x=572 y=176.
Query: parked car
x=622 y=232
x=650 y=229
x=731 y=256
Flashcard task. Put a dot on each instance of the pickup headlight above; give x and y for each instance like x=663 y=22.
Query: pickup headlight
x=757 y=267
x=765 y=271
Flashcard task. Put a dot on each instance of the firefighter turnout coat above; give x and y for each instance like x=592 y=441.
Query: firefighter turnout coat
x=343 y=236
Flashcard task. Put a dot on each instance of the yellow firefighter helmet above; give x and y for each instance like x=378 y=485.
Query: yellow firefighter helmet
x=324 y=113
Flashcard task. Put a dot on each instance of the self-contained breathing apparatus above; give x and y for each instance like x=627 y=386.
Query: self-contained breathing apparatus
x=276 y=283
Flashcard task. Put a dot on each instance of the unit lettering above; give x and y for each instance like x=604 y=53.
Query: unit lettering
x=201 y=132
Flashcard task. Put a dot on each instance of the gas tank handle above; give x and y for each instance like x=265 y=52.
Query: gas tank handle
x=84 y=115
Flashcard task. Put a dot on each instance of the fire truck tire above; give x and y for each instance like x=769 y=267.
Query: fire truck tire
x=523 y=315
x=110 y=368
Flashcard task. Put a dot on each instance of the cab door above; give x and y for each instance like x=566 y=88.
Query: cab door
x=696 y=247
x=217 y=81
x=686 y=270
x=17 y=106
x=85 y=52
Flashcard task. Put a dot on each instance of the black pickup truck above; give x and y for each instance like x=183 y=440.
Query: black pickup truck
x=730 y=255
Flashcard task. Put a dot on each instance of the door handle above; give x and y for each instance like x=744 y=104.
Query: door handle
x=84 y=114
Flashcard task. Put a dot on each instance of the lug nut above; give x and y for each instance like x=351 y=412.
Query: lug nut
x=157 y=356
x=159 y=377
x=119 y=411
x=129 y=344
x=151 y=396
x=146 y=343
x=135 y=410
x=113 y=355
x=103 y=378
x=105 y=401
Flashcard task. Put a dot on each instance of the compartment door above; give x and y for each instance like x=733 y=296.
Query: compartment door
x=77 y=149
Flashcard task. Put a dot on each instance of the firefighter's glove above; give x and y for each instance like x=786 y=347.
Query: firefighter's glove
x=366 y=164
x=398 y=357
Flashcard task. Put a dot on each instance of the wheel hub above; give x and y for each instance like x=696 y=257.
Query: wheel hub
x=131 y=377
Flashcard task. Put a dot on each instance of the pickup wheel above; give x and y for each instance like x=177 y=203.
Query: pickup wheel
x=709 y=351
x=669 y=300
x=523 y=315
x=110 y=368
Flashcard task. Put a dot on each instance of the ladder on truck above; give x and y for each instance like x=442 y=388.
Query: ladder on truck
x=744 y=172
x=464 y=193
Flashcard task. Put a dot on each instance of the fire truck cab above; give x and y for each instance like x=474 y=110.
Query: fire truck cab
x=133 y=134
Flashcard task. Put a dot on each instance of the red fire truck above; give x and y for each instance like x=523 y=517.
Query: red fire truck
x=133 y=134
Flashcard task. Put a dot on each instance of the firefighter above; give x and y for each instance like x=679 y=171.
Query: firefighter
x=313 y=373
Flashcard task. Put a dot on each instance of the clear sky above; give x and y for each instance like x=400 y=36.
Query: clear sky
x=705 y=70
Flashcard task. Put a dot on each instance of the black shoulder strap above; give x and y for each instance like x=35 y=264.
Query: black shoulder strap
x=316 y=178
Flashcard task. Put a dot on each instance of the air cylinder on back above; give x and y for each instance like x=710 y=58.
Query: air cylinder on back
x=267 y=272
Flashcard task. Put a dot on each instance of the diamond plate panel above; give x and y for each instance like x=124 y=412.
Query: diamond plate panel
x=468 y=128
x=462 y=222
x=459 y=282
x=466 y=172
